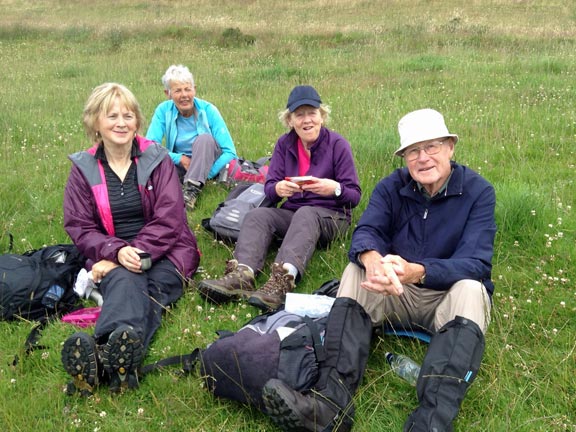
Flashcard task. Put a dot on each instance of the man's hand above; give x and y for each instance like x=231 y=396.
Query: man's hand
x=381 y=274
x=407 y=272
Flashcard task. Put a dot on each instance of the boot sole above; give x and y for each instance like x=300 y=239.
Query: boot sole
x=219 y=296
x=123 y=354
x=281 y=411
x=79 y=359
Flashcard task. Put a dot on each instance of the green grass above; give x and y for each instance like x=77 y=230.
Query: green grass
x=502 y=73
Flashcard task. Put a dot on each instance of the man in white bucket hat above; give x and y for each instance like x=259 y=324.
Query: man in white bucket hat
x=420 y=260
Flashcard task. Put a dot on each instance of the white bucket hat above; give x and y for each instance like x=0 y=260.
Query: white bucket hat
x=422 y=125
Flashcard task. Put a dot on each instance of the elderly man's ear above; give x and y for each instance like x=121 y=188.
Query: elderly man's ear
x=167 y=93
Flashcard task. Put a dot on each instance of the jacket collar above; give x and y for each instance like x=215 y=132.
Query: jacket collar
x=454 y=187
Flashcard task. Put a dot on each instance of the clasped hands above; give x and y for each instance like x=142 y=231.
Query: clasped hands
x=387 y=274
x=319 y=186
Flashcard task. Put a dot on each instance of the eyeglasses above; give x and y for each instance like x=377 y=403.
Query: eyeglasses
x=430 y=149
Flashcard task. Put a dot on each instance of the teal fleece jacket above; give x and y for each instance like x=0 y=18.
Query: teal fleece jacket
x=208 y=121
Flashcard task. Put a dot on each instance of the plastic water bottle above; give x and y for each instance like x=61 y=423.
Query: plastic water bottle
x=53 y=296
x=404 y=367
x=223 y=178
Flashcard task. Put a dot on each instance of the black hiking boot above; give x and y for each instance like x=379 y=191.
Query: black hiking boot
x=293 y=411
x=122 y=356
x=80 y=359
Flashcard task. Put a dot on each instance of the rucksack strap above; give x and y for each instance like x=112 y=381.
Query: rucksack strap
x=316 y=339
x=187 y=361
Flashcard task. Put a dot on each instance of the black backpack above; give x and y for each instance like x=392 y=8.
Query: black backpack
x=39 y=283
x=227 y=219
x=238 y=364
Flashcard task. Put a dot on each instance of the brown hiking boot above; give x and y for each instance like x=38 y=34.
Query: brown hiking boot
x=272 y=295
x=237 y=282
x=293 y=411
x=191 y=192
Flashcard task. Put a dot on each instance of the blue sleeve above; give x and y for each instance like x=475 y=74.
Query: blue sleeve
x=223 y=139
x=157 y=131
x=472 y=256
x=373 y=231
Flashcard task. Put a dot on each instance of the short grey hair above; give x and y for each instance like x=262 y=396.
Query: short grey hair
x=177 y=73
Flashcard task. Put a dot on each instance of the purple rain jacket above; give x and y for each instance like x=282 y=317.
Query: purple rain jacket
x=330 y=157
x=88 y=218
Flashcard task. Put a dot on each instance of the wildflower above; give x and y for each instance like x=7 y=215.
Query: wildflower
x=233 y=317
x=45 y=355
x=102 y=414
x=140 y=411
x=199 y=308
x=563 y=304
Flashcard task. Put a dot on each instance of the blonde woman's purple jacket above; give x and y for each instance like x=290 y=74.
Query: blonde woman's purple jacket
x=88 y=217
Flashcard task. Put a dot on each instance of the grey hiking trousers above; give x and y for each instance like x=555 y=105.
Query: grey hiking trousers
x=299 y=232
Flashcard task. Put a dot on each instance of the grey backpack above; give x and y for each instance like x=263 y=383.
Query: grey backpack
x=227 y=219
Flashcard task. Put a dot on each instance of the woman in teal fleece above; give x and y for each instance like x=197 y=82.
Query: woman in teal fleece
x=193 y=131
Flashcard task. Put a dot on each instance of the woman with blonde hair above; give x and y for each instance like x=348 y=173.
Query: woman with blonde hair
x=124 y=210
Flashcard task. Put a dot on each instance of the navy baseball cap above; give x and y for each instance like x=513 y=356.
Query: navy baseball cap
x=303 y=95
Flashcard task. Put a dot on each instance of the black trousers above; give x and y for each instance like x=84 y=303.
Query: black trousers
x=137 y=299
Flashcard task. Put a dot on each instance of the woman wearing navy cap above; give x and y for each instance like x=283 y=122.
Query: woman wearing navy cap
x=312 y=174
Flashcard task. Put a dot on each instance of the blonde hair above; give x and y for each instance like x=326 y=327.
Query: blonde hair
x=100 y=101
x=284 y=115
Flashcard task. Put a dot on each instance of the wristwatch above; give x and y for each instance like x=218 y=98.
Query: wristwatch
x=422 y=280
x=338 y=191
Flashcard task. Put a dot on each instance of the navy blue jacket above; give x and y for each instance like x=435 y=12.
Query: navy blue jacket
x=452 y=235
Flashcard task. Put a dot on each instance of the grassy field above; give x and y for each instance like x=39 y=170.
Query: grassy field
x=502 y=73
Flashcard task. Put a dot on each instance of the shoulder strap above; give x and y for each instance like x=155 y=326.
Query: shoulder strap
x=316 y=339
x=186 y=360
x=263 y=160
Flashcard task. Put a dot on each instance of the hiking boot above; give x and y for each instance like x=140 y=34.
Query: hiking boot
x=191 y=192
x=273 y=293
x=80 y=359
x=237 y=282
x=293 y=411
x=121 y=358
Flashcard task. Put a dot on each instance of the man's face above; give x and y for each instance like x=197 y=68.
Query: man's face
x=429 y=162
x=183 y=96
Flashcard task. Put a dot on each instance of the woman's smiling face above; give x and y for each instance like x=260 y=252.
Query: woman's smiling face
x=118 y=126
x=307 y=122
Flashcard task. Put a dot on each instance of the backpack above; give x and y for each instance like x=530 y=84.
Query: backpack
x=39 y=283
x=227 y=219
x=238 y=364
x=244 y=170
